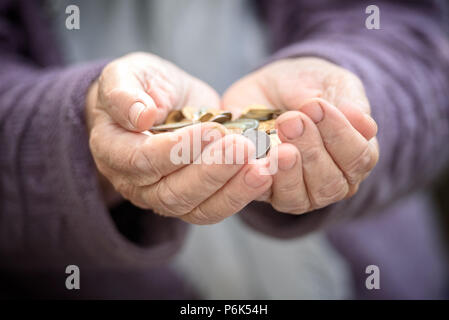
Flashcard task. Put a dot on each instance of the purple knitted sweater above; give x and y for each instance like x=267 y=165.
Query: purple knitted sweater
x=52 y=213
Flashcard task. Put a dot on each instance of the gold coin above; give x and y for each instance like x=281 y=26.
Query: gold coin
x=202 y=114
x=267 y=125
x=226 y=113
x=174 y=116
x=222 y=118
x=189 y=112
x=242 y=124
x=260 y=113
x=215 y=111
x=254 y=107
x=171 y=126
x=206 y=117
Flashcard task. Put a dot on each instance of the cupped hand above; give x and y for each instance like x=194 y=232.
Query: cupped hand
x=137 y=91
x=328 y=136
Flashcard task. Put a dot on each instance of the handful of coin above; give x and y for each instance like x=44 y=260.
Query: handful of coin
x=256 y=123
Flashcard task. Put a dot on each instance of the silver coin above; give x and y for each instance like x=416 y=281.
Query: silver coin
x=243 y=124
x=260 y=139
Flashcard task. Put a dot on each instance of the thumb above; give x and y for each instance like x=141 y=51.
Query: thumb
x=125 y=100
x=359 y=119
x=130 y=101
x=132 y=108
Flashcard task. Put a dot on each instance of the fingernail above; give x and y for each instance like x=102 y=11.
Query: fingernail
x=313 y=110
x=254 y=179
x=134 y=113
x=292 y=128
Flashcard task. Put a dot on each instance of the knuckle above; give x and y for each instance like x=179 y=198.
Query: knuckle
x=234 y=201
x=311 y=154
x=137 y=161
x=113 y=97
x=105 y=171
x=279 y=206
x=300 y=209
x=108 y=69
x=124 y=188
x=142 y=162
x=352 y=190
x=94 y=141
x=169 y=201
x=209 y=179
x=330 y=192
x=338 y=134
x=362 y=163
x=140 y=204
x=199 y=217
x=164 y=200
x=103 y=157
x=131 y=193
x=286 y=186
x=296 y=207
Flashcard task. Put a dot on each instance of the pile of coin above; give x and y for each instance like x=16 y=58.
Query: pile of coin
x=256 y=123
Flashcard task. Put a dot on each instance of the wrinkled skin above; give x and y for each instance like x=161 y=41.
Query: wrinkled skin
x=329 y=145
x=323 y=158
x=138 y=166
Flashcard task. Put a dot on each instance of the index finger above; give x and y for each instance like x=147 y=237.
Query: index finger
x=124 y=98
x=145 y=159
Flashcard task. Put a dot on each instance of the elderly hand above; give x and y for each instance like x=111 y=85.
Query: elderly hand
x=329 y=145
x=137 y=91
